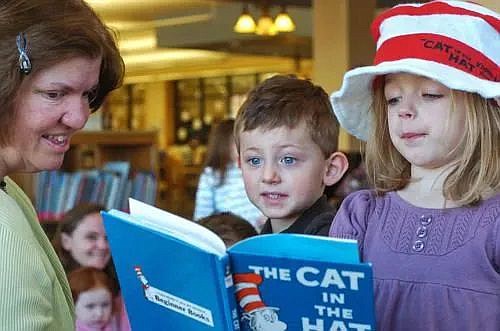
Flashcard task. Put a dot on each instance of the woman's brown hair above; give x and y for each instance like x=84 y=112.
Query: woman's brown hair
x=55 y=31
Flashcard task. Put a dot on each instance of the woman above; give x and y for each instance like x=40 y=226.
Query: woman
x=58 y=62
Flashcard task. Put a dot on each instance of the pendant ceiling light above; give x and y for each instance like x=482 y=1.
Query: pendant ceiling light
x=265 y=24
x=284 y=22
x=245 y=23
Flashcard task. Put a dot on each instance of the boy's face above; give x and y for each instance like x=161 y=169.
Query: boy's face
x=283 y=170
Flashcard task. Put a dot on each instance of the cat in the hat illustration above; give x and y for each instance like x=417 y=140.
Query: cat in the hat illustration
x=258 y=316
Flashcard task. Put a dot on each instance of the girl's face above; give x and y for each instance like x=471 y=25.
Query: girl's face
x=88 y=244
x=422 y=124
x=51 y=106
x=93 y=307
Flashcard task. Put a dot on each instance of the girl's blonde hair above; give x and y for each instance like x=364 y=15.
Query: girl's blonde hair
x=477 y=171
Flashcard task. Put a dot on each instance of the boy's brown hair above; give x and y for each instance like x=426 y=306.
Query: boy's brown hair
x=286 y=100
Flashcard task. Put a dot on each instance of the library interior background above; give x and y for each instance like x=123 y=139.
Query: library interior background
x=188 y=65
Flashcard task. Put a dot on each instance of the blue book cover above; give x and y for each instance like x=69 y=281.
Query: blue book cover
x=177 y=275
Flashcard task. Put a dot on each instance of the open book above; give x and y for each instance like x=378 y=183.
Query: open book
x=177 y=275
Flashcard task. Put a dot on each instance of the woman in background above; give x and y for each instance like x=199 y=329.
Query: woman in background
x=221 y=188
x=58 y=62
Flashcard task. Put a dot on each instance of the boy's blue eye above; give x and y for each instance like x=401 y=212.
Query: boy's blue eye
x=288 y=160
x=254 y=161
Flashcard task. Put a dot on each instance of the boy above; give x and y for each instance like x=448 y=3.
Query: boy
x=286 y=135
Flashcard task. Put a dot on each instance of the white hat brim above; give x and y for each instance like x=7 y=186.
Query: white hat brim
x=352 y=103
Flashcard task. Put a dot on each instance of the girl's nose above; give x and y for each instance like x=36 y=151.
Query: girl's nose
x=407 y=109
x=77 y=114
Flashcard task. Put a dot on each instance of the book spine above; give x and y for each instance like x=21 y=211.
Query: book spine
x=228 y=298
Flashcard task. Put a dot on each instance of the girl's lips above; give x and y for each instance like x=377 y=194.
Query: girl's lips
x=412 y=135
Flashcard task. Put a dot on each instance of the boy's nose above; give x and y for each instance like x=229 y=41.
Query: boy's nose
x=270 y=174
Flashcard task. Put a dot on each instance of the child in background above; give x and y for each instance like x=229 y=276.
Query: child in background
x=230 y=227
x=221 y=187
x=286 y=135
x=92 y=292
x=431 y=227
x=80 y=241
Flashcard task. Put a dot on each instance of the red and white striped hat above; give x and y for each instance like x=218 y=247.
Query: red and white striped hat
x=247 y=292
x=456 y=43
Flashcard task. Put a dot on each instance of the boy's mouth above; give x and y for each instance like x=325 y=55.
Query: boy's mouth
x=273 y=195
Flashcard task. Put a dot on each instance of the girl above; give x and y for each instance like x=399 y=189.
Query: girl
x=221 y=187
x=427 y=109
x=92 y=292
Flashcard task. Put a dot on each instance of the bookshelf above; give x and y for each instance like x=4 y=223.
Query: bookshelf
x=92 y=149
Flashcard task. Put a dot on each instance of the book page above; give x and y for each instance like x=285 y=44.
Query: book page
x=179 y=227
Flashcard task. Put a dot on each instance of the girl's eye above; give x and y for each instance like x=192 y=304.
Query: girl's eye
x=90 y=306
x=392 y=101
x=432 y=96
x=288 y=160
x=254 y=161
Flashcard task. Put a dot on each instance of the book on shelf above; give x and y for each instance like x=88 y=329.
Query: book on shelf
x=177 y=275
x=56 y=192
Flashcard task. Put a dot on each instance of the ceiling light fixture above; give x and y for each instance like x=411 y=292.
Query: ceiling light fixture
x=245 y=23
x=265 y=24
x=284 y=22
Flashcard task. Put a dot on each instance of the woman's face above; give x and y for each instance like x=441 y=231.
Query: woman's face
x=50 y=107
x=88 y=244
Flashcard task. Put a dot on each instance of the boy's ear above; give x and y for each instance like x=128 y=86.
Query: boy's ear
x=336 y=167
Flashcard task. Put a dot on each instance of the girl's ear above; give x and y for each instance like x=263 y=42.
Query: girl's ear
x=66 y=241
x=336 y=167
